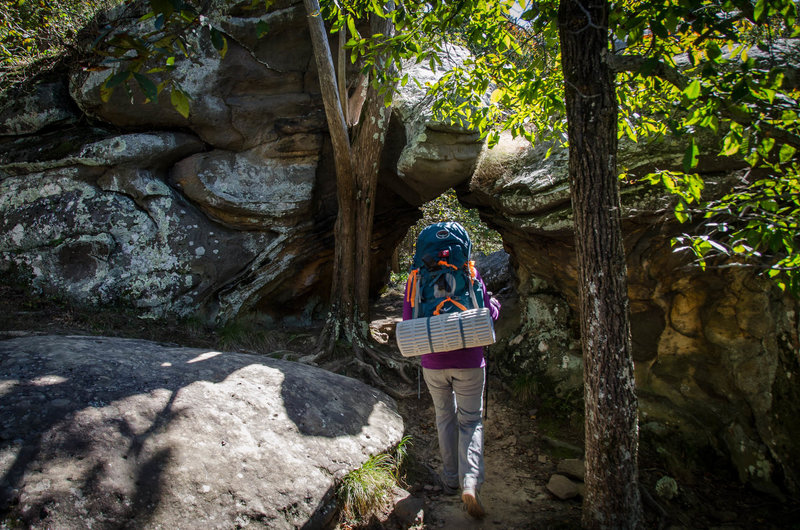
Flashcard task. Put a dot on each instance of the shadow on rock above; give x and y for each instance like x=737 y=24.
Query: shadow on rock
x=120 y=432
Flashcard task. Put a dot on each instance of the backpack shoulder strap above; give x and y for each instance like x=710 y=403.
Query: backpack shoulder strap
x=412 y=293
x=470 y=266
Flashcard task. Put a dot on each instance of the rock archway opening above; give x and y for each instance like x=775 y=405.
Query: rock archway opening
x=447 y=207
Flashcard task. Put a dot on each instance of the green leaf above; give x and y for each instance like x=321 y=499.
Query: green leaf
x=148 y=87
x=712 y=51
x=262 y=28
x=496 y=96
x=630 y=130
x=767 y=144
x=680 y=212
x=693 y=90
x=180 y=101
x=351 y=27
x=659 y=29
x=786 y=153
x=219 y=41
x=731 y=144
x=758 y=11
x=116 y=79
x=690 y=156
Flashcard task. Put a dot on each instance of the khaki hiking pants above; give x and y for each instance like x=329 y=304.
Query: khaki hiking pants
x=458 y=400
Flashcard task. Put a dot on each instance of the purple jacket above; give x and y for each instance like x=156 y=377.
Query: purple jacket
x=465 y=357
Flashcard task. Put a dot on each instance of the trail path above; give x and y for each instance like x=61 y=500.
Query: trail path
x=514 y=493
x=519 y=462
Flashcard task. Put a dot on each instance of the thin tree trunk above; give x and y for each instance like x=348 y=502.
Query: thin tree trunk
x=342 y=285
x=342 y=74
x=612 y=494
x=356 y=186
x=367 y=151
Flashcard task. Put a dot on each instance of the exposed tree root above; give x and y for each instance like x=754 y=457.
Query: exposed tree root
x=378 y=381
x=365 y=358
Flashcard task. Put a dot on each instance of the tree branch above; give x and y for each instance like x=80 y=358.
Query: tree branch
x=634 y=63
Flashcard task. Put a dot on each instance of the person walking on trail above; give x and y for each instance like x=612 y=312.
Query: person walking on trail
x=455 y=380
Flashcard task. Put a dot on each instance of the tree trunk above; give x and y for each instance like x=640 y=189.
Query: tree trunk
x=356 y=183
x=612 y=495
x=367 y=150
x=342 y=285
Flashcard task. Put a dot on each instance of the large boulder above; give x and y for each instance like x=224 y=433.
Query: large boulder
x=437 y=155
x=98 y=223
x=111 y=433
x=28 y=111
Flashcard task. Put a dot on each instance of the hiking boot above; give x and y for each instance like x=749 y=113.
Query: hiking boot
x=449 y=490
x=473 y=504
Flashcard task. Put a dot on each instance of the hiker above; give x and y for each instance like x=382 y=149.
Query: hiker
x=455 y=378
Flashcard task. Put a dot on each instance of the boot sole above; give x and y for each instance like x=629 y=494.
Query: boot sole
x=473 y=505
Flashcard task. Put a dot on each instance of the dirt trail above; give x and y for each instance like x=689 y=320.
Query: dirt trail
x=519 y=464
x=514 y=493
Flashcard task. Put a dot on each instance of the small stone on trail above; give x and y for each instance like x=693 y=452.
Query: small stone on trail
x=573 y=468
x=543 y=459
x=408 y=509
x=562 y=487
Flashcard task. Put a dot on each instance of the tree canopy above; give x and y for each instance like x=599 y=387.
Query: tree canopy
x=711 y=74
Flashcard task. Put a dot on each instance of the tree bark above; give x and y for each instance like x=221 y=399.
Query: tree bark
x=367 y=150
x=612 y=494
x=342 y=285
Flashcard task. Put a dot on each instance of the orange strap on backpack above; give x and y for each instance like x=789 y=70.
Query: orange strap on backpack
x=472 y=271
x=441 y=304
x=411 y=292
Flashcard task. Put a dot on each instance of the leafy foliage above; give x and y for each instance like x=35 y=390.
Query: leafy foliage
x=716 y=69
x=37 y=30
x=33 y=28
x=689 y=69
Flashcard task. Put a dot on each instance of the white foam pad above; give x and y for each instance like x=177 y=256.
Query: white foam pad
x=441 y=333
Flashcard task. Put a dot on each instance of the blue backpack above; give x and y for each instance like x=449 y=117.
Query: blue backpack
x=442 y=277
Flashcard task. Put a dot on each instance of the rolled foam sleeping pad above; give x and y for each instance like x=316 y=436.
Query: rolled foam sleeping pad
x=447 y=332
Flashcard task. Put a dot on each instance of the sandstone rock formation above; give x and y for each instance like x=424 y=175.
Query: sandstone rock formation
x=230 y=211
x=112 y=433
